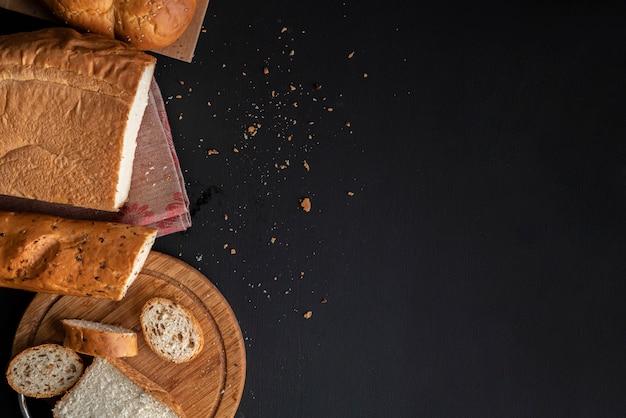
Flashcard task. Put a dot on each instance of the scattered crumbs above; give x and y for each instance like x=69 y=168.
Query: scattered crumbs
x=283 y=30
x=181 y=82
x=306 y=165
x=180 y=116
x=225 y=246
x=233 y=251
x=212 y=152
x=266 y=70
x=301 y=275
x=235 y=149
x=291 y=87
x=324 y=300
x=350 y=193
x=272 y=240
x=305 y=204
x=351 y=54
x=317 y=86
x=308 y=314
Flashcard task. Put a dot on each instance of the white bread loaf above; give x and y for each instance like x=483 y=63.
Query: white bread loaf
x=44 y=371
x=171 y=330
x=99 y=339
x=48 y=254
x=72 y=105
x=145 y=24
x=112 y=388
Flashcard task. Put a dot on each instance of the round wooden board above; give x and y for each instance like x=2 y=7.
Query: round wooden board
x=211 y=385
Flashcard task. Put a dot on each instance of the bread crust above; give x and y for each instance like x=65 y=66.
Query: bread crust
x=148 y=25
x=84 y=337
x=49 y=254
x=68 y=146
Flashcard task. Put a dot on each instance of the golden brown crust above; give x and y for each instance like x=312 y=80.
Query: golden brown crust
x=147 y=25
x=83 y=338
x=48 y=254
x=79 y=90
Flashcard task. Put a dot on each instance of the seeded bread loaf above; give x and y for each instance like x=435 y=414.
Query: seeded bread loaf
x=72 y=105
x=48 y=254
x=147 y=25
x=171 y=330
x=44 y=371
x=99 y=339
x=112 y=388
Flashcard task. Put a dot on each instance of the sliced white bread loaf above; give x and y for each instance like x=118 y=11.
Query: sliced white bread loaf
x=44 y=371
x=99 y=339
x=49 y=254
x=112 y=388
x=171 y=330
x=72 y=106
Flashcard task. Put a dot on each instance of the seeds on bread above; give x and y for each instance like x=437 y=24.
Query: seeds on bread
x=171 y=330
x=44 y=371
x=49 y=254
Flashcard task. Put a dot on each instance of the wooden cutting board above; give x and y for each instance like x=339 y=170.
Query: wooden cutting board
x=211 y=385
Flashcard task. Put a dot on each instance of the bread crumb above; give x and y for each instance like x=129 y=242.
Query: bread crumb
x=233 y=251
x=324 y=300
x=266 y=70
x=272 y=240
x=351 y=54
x=308 y=314
x=350 y=193
x=212 y=152
x=348 y=123
x=283 y=30
x=306 y=165
x=235 y=150
x=305 y=204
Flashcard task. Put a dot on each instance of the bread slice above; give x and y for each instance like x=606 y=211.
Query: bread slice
x=49 y=254
x=99 y=339
x=171 y=330
x=112 y=388
x=44 y=371
x=74 y=141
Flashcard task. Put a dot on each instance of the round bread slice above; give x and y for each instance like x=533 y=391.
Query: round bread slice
x=99 y=339
x=44 y=371
x=171 y=330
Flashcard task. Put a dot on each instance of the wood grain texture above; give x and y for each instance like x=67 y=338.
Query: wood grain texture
x=211 y=385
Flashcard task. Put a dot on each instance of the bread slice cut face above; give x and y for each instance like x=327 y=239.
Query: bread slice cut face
x=112 y=388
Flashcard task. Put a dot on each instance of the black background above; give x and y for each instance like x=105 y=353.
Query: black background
x=477 y=270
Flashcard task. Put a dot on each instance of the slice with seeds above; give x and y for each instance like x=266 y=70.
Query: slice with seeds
x=44 y=371
x=171 y=330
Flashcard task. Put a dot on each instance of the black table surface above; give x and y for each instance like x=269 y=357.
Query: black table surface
x=465 y=250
